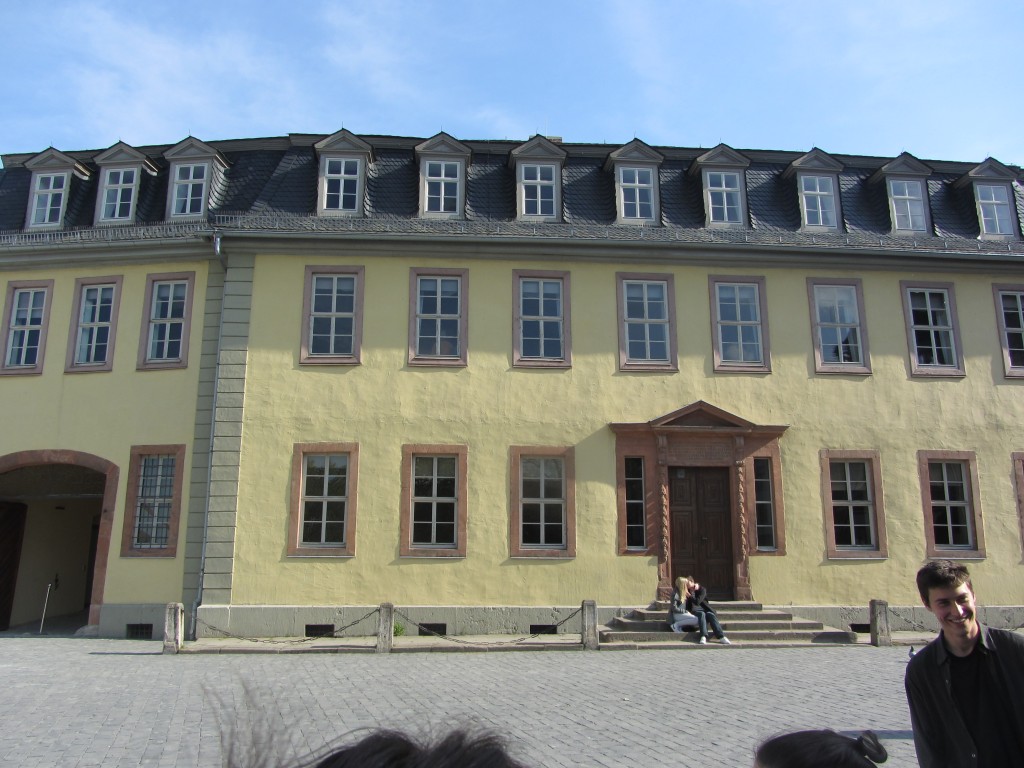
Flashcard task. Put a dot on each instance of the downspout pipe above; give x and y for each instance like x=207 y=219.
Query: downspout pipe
x=194 y=614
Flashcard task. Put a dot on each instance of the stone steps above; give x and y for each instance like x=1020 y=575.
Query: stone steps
x=742 y=621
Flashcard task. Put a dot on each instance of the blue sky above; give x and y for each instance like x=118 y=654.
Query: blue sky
x=936 y=78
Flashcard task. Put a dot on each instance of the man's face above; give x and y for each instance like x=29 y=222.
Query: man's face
x=955 y=610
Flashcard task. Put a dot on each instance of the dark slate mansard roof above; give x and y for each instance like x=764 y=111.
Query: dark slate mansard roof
x=271 y=184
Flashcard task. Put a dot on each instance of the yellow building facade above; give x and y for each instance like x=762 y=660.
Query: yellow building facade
x=485 y=392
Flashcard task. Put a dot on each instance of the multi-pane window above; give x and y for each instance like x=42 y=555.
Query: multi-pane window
x=189 y=189
x=635 y=493
x=119 y=194
x=907 y=200
x=853 y=505
x=949 y=490
x=739 y=324
x=764 y=504
x=541 y=319
x=542 y=500
x=332 y=315
x=154 y=501
x=442 y=179
x=994 y=209
x=439 y=317
x=819 y=200
x=538 y=185
x=25 y=328
x=636 y=185
x=167 y=320
x=324 y=499
x=932 y=329
x=724 y=201
x=435 y=501
x=646 y=320
x=837 y=327
x=48 y=198
x=341 y=184
x=1010 y=306
x=95 y=324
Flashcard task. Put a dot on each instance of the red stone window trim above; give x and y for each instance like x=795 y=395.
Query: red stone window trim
x=517 y=453
x=296 y=547
x=645 y=451
x=968 y=460
x=5 y=328
x=407 y=505
x=872 y=461
x=130 y=547
x=70 y=364
x=769 y=452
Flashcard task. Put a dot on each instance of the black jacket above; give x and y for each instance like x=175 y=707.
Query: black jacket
x=698 y=601
x=940 y=735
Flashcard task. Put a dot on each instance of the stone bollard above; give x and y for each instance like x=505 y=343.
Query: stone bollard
x=385 y=627
x=174 y=627
x=590 y=638
x=879 y=613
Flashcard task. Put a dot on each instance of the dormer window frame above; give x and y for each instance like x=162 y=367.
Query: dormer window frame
x=190 y=182
x=898 y=174
x=714 y=166
x=530 y=161
x=631 y=164
x=438 y=157
x=807 y=195
x=993 y=176
x=120 y=186
x=342 y=148
x=53 y=174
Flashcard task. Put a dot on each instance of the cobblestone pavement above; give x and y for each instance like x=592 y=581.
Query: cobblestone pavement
x=89 y=702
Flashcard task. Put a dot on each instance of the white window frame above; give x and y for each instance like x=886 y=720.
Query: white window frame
x=40 y=194
x=434 y=170
x=908 y=210
x=324 y=499
x=440 y=315
x=542 y=317
x=152 y=320
x=851 y=493
x=189 y=183
x=997 y=219
x=435 y=500
x=632 y=190
x=17 y=326
x=538 y=184
x=564 y=459
x=937 y=330
x=834 y=324
x=119 y=188
x=83 y=325
x=815 y=202
x=311 y=313
x=759 y=325
x=634 y=490
x=1009 y=301
x=345 y=174
x=645 y=320
x=717 y=197
x=764 y=503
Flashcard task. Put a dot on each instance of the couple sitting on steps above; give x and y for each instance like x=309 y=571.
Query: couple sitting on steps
x=690 y=610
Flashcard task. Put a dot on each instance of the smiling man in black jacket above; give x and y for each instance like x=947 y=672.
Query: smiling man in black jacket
x=966 y=687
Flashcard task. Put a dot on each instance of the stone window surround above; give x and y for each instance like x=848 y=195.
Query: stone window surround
x=873 y=460
x=406 y=547
x=311 y=272
x=5 y=327
x=455 y=361
x=295 y=546
x=969 y=458
x=128 y=548
x=145 y=364
x=625 y=364
x=765 y=366
x=916 y=368
x=70 y=366
x=516 y=455
x=864 y=367
x=1009 y=370
x=518 y=361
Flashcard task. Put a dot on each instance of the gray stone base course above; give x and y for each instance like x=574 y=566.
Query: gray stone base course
x=291 y=620
x=115 y=618
x=902 y=618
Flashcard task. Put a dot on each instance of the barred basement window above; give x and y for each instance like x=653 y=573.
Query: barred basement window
x=153 y=505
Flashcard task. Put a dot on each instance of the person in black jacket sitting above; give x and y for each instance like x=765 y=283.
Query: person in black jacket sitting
x=697 y=604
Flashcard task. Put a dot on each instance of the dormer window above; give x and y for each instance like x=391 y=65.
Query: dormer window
x=538 y=168
x=48 y=196
x=344 y=158
x=906 y=183
x=722 y=177
x=817 y=184
x=118 y=194
x=636 y=168
x=819 y=201
x=53 y=174
x=994 y=209
x=189 y=189
x=196 y=171
x=443 y=163
x=992 y=188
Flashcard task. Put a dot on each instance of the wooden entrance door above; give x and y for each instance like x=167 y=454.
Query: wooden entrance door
x=701 y=515
x=12 y=530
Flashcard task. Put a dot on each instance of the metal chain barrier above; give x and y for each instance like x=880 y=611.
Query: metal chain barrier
x=286 y=641
x=516 y=641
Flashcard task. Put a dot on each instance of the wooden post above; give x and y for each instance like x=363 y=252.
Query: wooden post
x=174 y=627
x=590 y=638
x=880 y=633
x=385 y=627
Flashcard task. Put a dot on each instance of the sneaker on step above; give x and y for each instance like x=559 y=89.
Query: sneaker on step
x=703 y=641
x=724 y=641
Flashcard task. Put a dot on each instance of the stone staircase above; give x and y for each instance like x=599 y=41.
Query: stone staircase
x=744 y=623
